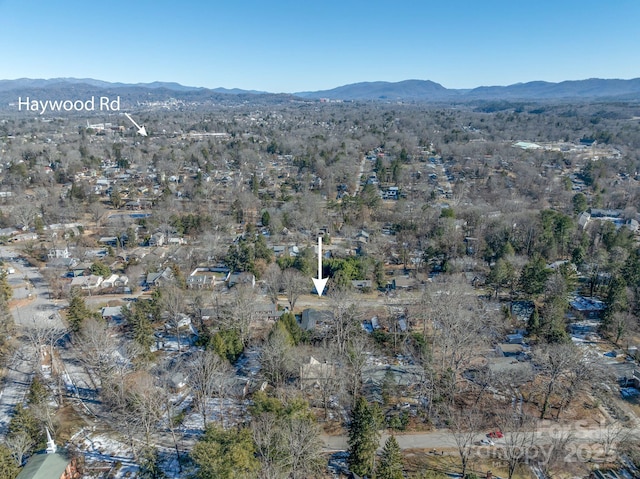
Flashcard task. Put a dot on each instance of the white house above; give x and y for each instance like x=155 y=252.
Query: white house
x=58 y=253
x=87 y=282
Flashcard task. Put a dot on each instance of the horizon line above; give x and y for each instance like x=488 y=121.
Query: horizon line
x=143 y=84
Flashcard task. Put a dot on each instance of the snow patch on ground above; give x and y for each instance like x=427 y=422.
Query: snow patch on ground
x=104 y=454
x=226 y=412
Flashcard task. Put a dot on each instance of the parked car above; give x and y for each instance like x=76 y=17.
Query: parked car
x=495 y=434
x=487 y=442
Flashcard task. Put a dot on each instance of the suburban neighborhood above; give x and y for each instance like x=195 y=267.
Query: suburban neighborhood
x=480 y=317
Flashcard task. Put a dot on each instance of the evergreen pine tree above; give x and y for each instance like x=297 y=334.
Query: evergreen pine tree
x=77 y=312
x=292 y=326
x=6 y=291
x=364 y=437
x=8 y=466
x=533 y=325
x=390 y=466
x=150 y=464
x=616 y=300
x=534 y=276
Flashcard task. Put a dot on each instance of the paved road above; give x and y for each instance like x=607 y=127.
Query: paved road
x=16 y=384
x=21 y=365
x=426 y=440
x=443 y=439
x=33 y=307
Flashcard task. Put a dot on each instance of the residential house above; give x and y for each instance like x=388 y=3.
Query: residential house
x=391 y=193
x=605 y=213
x=522 y=309
x=585 y=307
x=58 y=253
x=516 y=338
x=509 y=350
x=612 y=216
x=8 y=231
x=156 y=278
x=362 y=284
x=201 y=281
x=25 y=237
x=402 y=324
x=208 y=313
x=241 y=278
x=362 y=237
x=90 y=282
x=375 y=324
x=266 y=312
x=311 y=318
x=178 y=382
x=526 y=145
x=62 y=263
x=313 y=372
x=403 y=282
x=583 y=219
x=112 y=313
x=115 y=281
x=112 y=241
x=80 y=268
x=137 y=204
x=207 y=277
x=157 y=239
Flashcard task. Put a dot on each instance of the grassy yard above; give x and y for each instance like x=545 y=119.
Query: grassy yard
x=420 y=460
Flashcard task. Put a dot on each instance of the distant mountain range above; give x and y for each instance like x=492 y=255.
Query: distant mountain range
x=21 y=83
x=408 y=90
x=24 y=83
x=382 y=90
x=425 y=90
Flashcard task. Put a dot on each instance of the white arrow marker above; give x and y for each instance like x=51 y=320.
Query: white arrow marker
x=141 y=130
x=318 y=282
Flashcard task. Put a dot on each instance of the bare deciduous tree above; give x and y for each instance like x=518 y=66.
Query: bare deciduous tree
x=145 y=403
x=243 y=310
x=272 y=282
x=519 y=434
x=19 y=443
x=610 y=435
x=464 y=427
x=43 y=333
x=266 y=430
x=99 y=348
x=302 y=439
x=560 y=365
x=355 y=359
x=288 y=447
x=294 y=285
x=558 y=448
x=276 y=356
x=175 y=305
x=346 y=320
x=208 y=375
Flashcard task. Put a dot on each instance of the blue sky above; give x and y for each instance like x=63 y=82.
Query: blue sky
x=290 y=46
